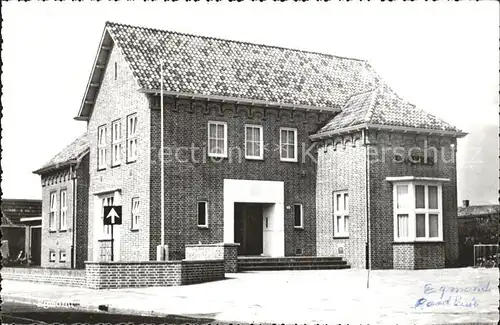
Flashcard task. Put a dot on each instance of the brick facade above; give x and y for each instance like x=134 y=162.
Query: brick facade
x=187 y=182
x=227 y=252
x=342 y=166
x=82 y=211
x=413 y=256
x=117 y=98
x=73 y=278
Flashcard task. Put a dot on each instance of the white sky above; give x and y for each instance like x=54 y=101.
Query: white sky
x=441 y=56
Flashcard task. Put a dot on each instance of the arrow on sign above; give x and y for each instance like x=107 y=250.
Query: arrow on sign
x=112 y=215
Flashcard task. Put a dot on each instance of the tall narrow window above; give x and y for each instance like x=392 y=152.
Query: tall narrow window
x=288 y=144
x=202 y=214
x=402 y=210
x=341 y=214
x=106 y=230
x=64 y=210
x=217 y=139
x=132 y=138
x=254 y=142
x=135 y=213
x=101 y=147
x=298 y=221
x=52 y=211
x=116 y=148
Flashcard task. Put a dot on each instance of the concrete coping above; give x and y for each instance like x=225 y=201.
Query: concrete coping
x=214 y=245
x=151 y=262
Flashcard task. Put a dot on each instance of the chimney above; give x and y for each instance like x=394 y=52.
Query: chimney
x=466 y=203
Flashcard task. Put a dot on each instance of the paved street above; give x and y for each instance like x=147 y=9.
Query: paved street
x=446 y=296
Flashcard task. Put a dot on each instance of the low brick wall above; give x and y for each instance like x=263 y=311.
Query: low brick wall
x=107 y=275
x=66 y=277
x=415 y=256
x=226 y=251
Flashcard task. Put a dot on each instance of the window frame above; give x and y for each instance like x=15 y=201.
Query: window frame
x=198 y=216
x=342 y=213
x=106 y=229
x=295 y=148
x=135 y=213
x=52 y=253
x=301 y=226
x=217 y=123
x=63 y=210
x=412 y=212
x=116 y=143
x=60 y=259
x=101 y=147
x=53 y=211
x=132 y=141
x=261 y=141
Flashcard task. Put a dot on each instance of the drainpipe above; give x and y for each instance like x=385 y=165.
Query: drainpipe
x=73 y=244
x=162 y=171
x=367 y=195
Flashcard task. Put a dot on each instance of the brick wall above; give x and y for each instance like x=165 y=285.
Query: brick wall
x=342 y=166
x=119 y=97
x=188 y=182
x=82 y=212
x=63 y=277
x=381 y=192
x=57 y=240
x=404 y=256
x=409 y=256
x=108 y=275
x=227 y=252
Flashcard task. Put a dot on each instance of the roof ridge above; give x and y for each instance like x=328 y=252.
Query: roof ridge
x=236 y=41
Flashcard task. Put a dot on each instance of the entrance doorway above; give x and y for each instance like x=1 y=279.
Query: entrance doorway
x=36 y=245
x=248 y=218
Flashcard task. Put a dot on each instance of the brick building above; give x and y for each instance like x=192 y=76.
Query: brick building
x=64 y=207
x=264 y=146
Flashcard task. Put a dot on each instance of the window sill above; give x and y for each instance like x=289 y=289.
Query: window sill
x=131 y=161
x=298 y=227
x=202 y=227
x=341 y=237
x=254 y=158
x=52 y=230
x=413 y=242
x=217 y=156
x=52 y=261
x=63 y=230
x=101 y=169
x=288 y=160
x=134 y=229
x=116 y=165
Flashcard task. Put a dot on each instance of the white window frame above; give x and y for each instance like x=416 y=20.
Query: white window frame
x=106 y=201
x=132 y=148
x=101 y=147
x=216 y=124
x=301 y=226
x=63 y=214
x=52 y=255
x=342 y=212
x=135 y=213
x=116 y=142
x=295 y=149
x=260 y=142
x=53 y=211
x=412 y=211
x=62 y=260
x=206 y=214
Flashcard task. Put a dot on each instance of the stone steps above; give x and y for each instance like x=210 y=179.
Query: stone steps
x=291 y=263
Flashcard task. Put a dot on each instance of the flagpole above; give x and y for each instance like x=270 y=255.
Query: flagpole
x=162 y=177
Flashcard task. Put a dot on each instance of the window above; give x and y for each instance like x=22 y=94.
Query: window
x=101 y=147
x=417 y=211
x=64 y=210
x=52 y=211
x=132 y=138
x=135 y=213
x=106 y=230
x=341 y=214
x=217 y=139
x=298 y=216
x=202 y=214
x=52 y=256
x=288 y=144
x=62 y=256
x=254 y=142
x=116 y=148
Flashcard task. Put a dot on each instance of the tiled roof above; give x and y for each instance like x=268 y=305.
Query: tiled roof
x=382 y=106
x=478 y=210
x=217 y=67
x=72 y=152
x=14 y=209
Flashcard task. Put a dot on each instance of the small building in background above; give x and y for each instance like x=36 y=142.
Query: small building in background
x=65 y=193
x=477 y=224
x=21 y=231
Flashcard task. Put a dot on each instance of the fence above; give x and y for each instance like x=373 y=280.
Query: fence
x=486 y=255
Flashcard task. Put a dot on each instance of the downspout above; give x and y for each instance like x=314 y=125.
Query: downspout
x=367 y=195
x=73 y=244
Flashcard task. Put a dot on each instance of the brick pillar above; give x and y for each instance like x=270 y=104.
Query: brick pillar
x=231 y=257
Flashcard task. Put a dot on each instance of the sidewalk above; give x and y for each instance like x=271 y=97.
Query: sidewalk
x=325 y=296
